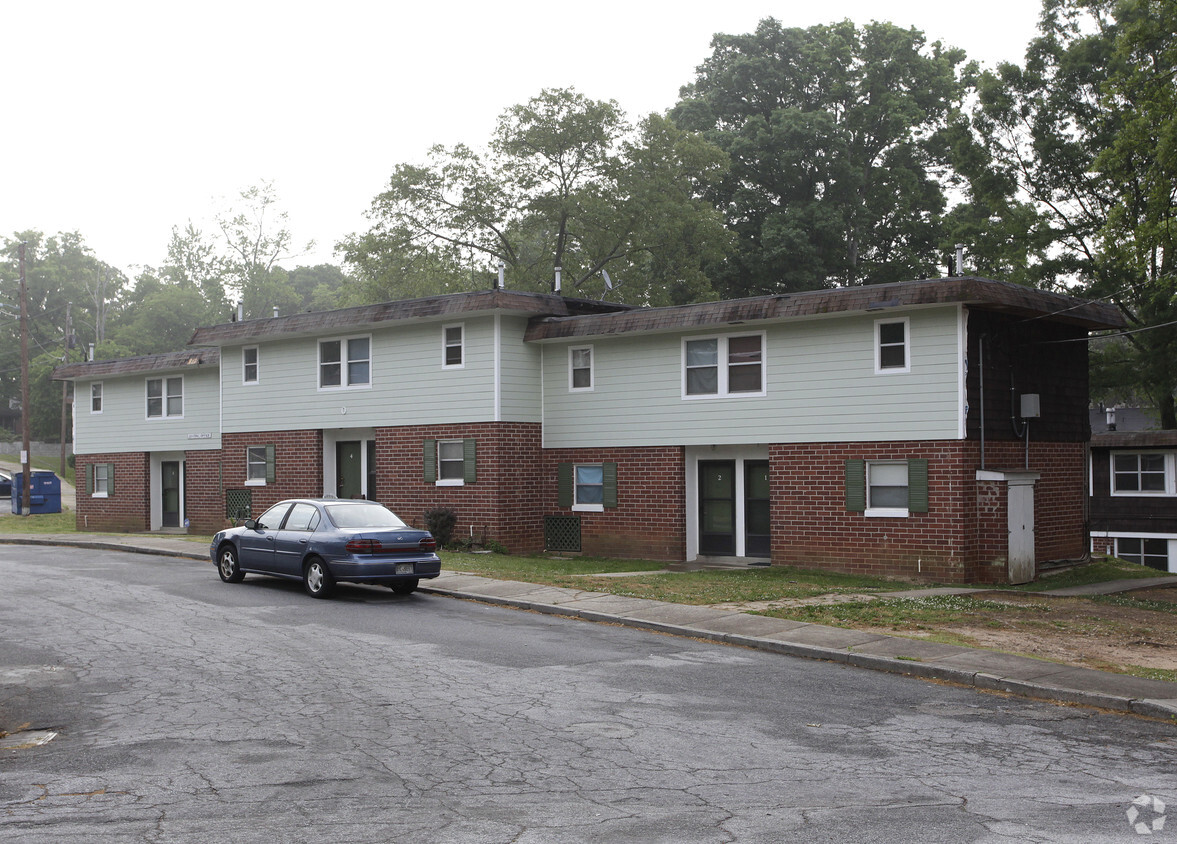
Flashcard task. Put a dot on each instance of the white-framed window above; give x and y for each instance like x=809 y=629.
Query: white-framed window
x=255 y=465
x=580 y=368
x=451 y=462
x=1144 y=473
x=346 y=362
x=723 y=366
x=165 y=397
x=102 y=472
x=588 y=487
x=250 y=358
x=1146 y=551
x=453 y=349
x=892 y=345
x=96 y=397
x=886 y=488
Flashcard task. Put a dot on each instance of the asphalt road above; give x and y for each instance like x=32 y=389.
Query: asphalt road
x=194 y=711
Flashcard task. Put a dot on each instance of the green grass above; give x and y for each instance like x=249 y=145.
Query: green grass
x=699 y=587
x=898 y=613
x=1096 y=572
x=35 y=522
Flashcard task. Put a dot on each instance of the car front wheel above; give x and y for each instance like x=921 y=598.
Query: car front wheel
x=317 y=579
x=227 y=565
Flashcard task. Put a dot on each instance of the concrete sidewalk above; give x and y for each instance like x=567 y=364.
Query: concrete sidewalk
x=967 y=666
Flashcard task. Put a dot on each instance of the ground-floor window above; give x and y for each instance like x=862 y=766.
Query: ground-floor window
x=1151 y=552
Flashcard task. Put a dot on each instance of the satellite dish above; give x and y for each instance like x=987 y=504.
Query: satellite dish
x=608 y=281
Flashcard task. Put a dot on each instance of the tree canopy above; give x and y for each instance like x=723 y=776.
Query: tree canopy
x=565 y=181
x=833 y=179
x=1087 y=131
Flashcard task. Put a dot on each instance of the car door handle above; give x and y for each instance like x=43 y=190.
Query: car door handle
x=302 y=542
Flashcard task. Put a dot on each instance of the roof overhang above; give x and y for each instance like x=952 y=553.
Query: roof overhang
x=989 y=294
x=450 y=306
x=185 y=361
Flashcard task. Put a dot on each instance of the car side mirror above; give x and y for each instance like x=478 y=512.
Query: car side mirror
x=251 y=524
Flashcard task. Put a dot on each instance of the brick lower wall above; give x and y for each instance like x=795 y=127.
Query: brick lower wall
x=502 y=504
x=649 y=521
x=128 y=508
x=204 y=497
x=298 y=466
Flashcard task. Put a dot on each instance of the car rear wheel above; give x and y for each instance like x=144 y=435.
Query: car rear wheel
x=227 y=565
x=317 y=579
x=404 y=587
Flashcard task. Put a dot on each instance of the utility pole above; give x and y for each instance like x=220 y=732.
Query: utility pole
x=64 y=392
x=25 y=407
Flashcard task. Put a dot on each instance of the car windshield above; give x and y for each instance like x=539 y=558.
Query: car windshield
x=363 y=516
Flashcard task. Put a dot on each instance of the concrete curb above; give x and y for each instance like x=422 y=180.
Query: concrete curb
x=984 y=675
x=979 y=669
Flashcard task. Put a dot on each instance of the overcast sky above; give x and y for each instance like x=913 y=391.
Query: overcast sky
x=123 y=119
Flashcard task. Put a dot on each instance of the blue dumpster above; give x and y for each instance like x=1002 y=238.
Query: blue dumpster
x=44 y=493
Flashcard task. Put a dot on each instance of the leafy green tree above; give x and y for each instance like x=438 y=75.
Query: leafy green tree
x=834 y=178
x=565 y=182
x=1087 y=130
x=257 y=238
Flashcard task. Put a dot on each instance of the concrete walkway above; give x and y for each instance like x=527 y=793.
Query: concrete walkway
x=967 y=666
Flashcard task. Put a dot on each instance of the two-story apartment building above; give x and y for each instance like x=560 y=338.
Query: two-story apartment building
x=933 y=428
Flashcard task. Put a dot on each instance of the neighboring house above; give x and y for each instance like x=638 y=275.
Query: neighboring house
x=929 y=428
x=1133 y=488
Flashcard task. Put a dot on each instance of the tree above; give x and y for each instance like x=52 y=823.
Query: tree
x=1087 y=131
x=565 y=182
x=830 y=130
x=60 y=270
x=256 y=238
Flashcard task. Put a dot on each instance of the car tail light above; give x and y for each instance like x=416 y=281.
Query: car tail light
x=428 y=544
x=364 y=546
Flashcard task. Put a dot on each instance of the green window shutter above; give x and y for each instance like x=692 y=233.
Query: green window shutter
x=110 y=479
x=430 y=457
x=917 y=485
x=469 y=461
x=564 y=484
x=89 y=479
x=609 y=470
x=270 y=473
x=856 y=485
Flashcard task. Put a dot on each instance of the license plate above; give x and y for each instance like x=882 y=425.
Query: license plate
x=404 y=568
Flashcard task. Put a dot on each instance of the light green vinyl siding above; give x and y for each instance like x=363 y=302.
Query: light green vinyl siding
x=123 y=426
x=520 y=373
x=408 y=384
x=820 y=378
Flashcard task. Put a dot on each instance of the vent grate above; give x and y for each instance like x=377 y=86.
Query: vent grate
x=562 y=533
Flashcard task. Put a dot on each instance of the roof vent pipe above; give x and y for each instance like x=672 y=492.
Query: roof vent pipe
x=275 y=312
x=557 y=287
x=241 y=310
x=91 y=351
x=502 y=274
x=959 y=259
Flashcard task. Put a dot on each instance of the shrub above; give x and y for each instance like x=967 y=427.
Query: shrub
x=440 y=522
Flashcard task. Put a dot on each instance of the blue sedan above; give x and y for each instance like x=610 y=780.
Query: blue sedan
x=326 y=541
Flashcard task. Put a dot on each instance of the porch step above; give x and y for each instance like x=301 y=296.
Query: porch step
x=720 y=564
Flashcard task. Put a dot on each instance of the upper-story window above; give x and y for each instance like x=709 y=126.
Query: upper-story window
x=345 y=363
x=723 y=366
x=1144 y=473
x=892 y=349
x=453 y=354
x=165 y=397
x=249 y=365
x=96 y=397
x=580 y=368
